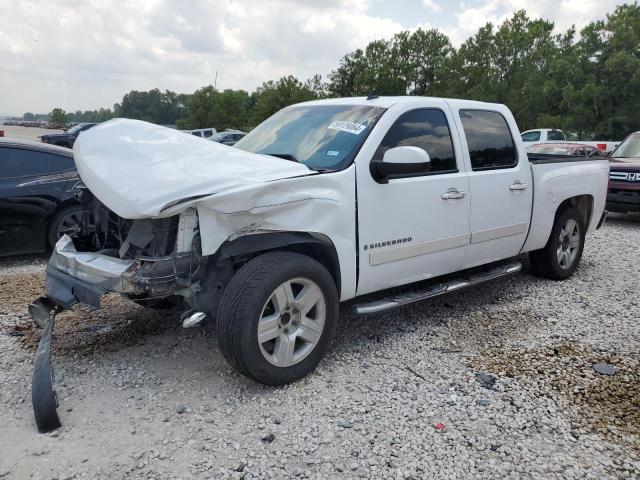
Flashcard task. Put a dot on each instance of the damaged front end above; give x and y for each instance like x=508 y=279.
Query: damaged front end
x=144 y=259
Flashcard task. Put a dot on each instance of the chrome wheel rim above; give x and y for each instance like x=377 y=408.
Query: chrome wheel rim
x=569 y=244
x=291 y=322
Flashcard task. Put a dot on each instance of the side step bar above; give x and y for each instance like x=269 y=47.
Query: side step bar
x=407 y=298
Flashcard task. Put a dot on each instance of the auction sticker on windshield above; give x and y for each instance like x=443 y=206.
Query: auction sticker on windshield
x=355 y=128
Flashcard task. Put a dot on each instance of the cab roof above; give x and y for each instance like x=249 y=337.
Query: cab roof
x=386 y=102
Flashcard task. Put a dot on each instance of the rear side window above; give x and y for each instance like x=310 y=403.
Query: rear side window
x=489 y=139
x=531 y=136
x=427 y=129
x=555 y=135
x=16 y=162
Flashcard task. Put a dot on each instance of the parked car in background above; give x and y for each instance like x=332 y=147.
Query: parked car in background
x=68 y=138
x=37 y=196
x=203 y=132
x=624 y=176
x=554 y=135
x=228 y=137
x=572 y=149
x=542 y=135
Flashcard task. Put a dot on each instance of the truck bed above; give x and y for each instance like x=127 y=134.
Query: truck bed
x=559 y=177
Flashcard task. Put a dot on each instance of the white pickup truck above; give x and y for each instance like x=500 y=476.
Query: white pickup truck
x=326 y=201
x=554 y=135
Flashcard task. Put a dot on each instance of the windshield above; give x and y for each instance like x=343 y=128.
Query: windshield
x=551 y=149
x=630 y=148
x=322 y=137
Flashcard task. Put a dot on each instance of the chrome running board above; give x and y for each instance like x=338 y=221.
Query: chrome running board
x=414 y=296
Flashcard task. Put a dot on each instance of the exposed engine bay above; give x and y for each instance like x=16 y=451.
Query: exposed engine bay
x=162 y=255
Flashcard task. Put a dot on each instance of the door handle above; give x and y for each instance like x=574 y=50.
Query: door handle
x=518 y=186
x=452 y=194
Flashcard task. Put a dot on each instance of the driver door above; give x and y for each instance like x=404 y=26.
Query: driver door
x=412 y=228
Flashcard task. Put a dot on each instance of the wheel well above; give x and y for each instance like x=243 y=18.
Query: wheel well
x=221 y=267
x=317 y=246
x=584 y=204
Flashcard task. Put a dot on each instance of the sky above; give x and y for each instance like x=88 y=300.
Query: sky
x=86 y=54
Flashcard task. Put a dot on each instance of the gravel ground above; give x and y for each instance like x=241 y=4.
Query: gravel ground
x=26 y=133
x=495 y=382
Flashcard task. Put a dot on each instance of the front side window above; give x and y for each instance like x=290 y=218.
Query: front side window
x=489 y=140
x=427 y=129
x=531 y=136
x=322 y=137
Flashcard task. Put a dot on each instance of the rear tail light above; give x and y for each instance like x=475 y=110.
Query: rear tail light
x=602 y=146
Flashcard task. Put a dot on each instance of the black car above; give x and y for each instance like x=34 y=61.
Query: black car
x=38 y=189
x=67 y=138
x=228 y=138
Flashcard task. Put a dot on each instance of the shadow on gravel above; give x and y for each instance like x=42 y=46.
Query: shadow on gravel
x=82 y=330
x=464 y=316
x=624 y=220
x=598 y=403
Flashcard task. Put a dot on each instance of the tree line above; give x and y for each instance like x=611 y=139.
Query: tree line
x=586 y=84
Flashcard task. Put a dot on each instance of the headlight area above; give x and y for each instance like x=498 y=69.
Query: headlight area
x=159 y=274
x=157 y=258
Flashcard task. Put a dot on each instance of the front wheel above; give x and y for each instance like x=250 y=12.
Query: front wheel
x=561 y=256
x=277 y=316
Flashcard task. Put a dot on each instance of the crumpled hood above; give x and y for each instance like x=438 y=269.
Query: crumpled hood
x=138 y=169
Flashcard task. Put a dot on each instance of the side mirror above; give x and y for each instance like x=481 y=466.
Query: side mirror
x=400 y=162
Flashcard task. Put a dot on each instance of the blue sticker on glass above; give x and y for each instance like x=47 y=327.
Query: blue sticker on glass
x=332 y=153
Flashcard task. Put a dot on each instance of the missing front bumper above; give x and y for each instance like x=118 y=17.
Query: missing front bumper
x=83 y=277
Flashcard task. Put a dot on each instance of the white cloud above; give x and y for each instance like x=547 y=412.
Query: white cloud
x=87 y=54
x=432 y=5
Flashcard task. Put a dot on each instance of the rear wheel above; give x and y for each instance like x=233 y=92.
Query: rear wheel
x=561 y=256
x=277 y=316
x=66 y=221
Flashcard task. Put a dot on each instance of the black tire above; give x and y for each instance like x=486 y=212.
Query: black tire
x=62 y=217
x=247 y=296
x=545 y=262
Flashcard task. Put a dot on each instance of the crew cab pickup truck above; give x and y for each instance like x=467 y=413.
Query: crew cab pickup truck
x=326 y=201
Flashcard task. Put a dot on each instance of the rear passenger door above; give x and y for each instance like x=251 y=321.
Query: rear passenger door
x=499 y=184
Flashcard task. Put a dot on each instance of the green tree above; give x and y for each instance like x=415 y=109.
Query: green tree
x=58 y=117
x=272 y=96
x=28 y=117
x=605 y=93
x=408 y=64
x=152 y=106
x=208 y=107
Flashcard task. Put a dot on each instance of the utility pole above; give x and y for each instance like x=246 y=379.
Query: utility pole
x=215 y=82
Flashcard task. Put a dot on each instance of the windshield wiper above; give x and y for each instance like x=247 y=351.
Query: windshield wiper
x=286 y=156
